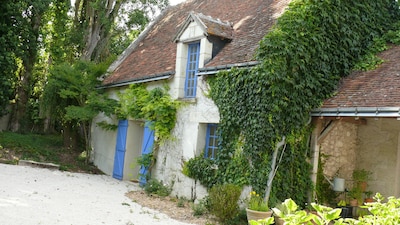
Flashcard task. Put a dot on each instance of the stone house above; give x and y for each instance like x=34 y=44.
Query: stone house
x=184 y=44
x=359 y=127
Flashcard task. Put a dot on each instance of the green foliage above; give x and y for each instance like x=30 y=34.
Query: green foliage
x=202 y=169
x=361 y=175
x=200 y=208
x=154 y=186
x=155 y=105
x=224 y=201
x=256 y=202
x=70 y=92
x=44 y=148
x=324 y=193
x=145 y=160
x=393 y=35
x=265 y=221
x=382 y=212
x=301 y=60
x=379 y=213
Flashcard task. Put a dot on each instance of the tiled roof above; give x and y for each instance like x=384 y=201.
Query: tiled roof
x=376 y=88
x=153 y=54
x=216 y=27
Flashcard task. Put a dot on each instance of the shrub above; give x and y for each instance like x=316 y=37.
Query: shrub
x=200 y=208
x=154 y=186
x=224 y=201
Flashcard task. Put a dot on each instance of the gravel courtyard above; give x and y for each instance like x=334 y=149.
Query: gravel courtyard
x=32 y=196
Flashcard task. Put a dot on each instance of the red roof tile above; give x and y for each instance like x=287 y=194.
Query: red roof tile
x=155 y=53
x=375 y=88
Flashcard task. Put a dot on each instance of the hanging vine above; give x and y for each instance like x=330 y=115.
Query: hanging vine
x=301 y=60
x=154 y=105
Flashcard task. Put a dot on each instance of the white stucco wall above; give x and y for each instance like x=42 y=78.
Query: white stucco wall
x=188 y=141
x=188 y=135
x=103 y=145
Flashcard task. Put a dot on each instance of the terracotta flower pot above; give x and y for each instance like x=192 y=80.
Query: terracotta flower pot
x=257 y=215
x=353 y=202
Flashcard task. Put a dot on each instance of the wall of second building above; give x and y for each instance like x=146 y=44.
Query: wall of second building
x=378 y=152
x=373 y=146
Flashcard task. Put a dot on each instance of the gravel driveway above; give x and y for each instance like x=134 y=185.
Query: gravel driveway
x=32 y=196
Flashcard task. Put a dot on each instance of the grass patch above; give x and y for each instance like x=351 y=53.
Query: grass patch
x=41 y=148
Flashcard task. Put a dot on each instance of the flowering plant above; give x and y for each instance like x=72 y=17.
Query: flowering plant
x=257 y=203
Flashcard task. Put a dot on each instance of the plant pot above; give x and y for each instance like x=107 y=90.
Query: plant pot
x=367 y=200
x=363 y=185
x=353 y=202
x=257 y=215
x=278 y=220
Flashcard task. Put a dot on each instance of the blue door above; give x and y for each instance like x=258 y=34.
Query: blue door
x=147 y=148
x=120 y=149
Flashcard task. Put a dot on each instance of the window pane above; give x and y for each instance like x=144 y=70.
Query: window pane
x=191 y=69
x=211 y=141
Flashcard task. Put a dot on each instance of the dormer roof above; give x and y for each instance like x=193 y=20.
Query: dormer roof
x=209 y=25
x=152 y=55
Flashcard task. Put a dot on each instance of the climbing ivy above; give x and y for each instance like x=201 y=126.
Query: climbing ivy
x=301 y=60
x=154 y=105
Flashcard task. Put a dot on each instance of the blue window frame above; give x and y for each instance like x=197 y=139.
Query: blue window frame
x=191 y=70
x=211 y=141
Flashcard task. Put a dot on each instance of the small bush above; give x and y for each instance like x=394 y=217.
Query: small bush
x=199 y=209
x=154 y=186
x=224 y=201
x=181 y=202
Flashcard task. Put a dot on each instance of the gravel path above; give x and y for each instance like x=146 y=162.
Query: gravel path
x=32 y=196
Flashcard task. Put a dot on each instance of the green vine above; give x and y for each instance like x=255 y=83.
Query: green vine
x=154 y=105
x=301 y=60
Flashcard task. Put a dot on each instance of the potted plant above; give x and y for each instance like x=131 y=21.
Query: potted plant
x=368 y=197
x=361 y=177
x=257 y=208
x=356 y=196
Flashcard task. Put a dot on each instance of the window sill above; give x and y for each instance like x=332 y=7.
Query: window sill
x=188 y=100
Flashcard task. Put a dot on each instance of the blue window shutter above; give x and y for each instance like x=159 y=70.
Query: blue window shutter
x=120 y=148
x=147 y=148
x=191 y=70
x=211 y=141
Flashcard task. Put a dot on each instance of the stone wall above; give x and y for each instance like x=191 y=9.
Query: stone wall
x=339 y=147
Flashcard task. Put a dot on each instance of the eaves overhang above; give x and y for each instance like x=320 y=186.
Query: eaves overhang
x=388 y=112
x=215 y=69
x=155 y=77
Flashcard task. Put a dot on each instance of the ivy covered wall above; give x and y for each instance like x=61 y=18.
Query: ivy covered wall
x=301 y=60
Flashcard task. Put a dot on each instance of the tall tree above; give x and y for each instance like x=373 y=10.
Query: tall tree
x=8 y=46
x=93 y=27
x=96 y=21
x=26 y=22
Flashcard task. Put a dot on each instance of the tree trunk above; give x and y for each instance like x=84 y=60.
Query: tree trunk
x=97 y=31
x=19 y=120
x=274 y=167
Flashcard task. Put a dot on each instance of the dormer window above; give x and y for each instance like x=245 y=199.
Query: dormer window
x=191 y=69
x=198 y=40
